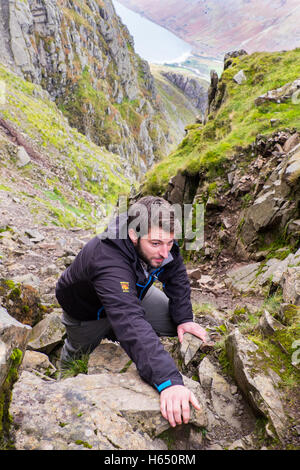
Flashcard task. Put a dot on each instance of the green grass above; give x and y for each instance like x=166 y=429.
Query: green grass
x=74 y=367
x=237 y=122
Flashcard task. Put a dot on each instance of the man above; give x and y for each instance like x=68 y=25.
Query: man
x=108 y=292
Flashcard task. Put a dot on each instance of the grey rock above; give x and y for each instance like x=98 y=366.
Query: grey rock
x=292 y=171
x=22 y=157
x=291 y=285
x=242 y=279
x=261 y=386
x=34 y=360
x=28 y=279
x=50 y=270
x=240 y=77
x=291 y=142
x=112 y=404
x=275 y=203
x=268 y=324
x=230 y=55
x=256 y=277
x=194 y=273
x=245 y=443
x=13 y=341
x=176 y=189
x=220 y=393
x=109 y=357
x=190 y=346
x=34 y=235
x=47 y=334
x=191 y=87
x=74 y=414
x=279 y=95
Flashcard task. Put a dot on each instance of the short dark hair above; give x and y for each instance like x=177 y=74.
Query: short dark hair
x=149 y=212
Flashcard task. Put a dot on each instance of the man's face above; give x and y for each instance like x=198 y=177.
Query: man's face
x=154 y=247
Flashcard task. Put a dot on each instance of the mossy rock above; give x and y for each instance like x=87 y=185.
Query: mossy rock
x=5 y=398
x=289 y=313
x=22 y=302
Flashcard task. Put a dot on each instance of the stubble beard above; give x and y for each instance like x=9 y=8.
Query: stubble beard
x=142 y=255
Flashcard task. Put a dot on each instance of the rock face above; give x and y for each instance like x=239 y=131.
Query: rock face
x=84 y=57
x=191 y=87
x=276 y=203
x=247 y=214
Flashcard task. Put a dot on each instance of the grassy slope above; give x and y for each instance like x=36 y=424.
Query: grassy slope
x=76 y=178
x=238 y=120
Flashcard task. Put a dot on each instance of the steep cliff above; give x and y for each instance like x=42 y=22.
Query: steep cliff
x=191 y=86
x=183 y=96
x=83 y=55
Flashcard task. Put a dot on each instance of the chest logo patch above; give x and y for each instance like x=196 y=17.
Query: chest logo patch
x=124 y=286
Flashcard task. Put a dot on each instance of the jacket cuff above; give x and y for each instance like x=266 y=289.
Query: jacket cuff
x=168 y=383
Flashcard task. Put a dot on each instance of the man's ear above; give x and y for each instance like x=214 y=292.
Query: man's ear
x=133 y=236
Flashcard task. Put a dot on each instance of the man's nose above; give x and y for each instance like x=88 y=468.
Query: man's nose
x=164 y=252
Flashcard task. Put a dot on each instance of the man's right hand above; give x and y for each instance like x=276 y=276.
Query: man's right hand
x=175 y=404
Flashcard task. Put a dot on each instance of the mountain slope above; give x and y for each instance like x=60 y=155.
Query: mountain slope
x=81 y=53
x=216 y=27
x=236 y=120
x=49 y=170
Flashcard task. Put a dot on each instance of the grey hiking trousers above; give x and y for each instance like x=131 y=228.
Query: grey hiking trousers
x=84 y=336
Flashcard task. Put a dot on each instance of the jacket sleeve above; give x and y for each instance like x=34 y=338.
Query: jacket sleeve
x=117 y=291
x=177 y=288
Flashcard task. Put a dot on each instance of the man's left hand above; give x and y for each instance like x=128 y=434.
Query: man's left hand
x=193 y=328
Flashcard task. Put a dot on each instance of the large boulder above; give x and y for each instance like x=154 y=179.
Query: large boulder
x=240 y=77
x=242 y=279
x=98 y=411
x=72 y=414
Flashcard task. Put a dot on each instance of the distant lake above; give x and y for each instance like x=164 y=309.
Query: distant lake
x=152 y=42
